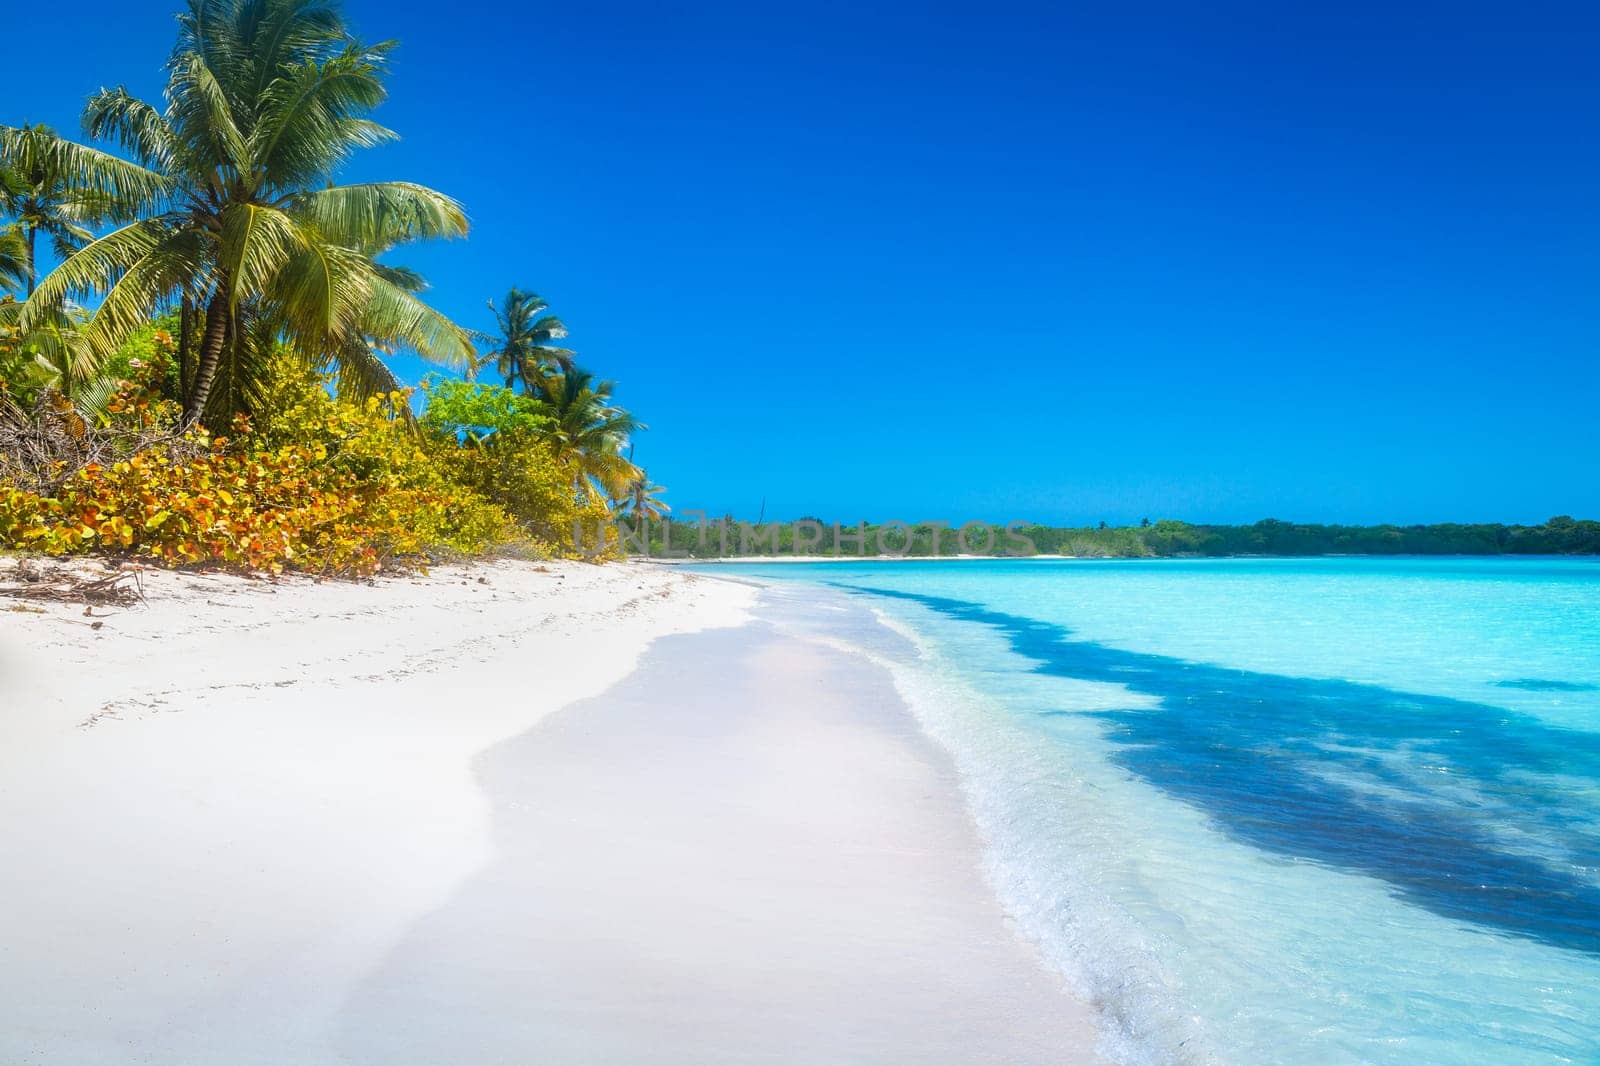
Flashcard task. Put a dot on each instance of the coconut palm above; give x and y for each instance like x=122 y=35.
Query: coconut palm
x=523 y=348
x=265 y=99
x=55 y=187
x=641 y=499
x=588 y=428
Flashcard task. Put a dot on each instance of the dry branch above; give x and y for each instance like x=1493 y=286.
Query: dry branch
x=121 y=589
x=43 y=447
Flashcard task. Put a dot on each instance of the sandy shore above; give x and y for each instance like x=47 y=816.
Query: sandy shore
x=458 y=819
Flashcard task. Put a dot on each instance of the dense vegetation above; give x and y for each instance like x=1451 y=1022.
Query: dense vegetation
x=227 y=398
x=1165 y=539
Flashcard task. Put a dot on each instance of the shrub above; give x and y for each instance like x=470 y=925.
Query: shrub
x=325 y=485
x=313 y=483
x=533 y=486
x=495 y=441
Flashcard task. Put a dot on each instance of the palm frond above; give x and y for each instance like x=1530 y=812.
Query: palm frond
x=203 y=115
x=311 y=116
x=40 y=150
x=140 y=291
x=118 y=116
x=407 y=279
x=12 y=189
x=57 y=340
x=276 y=33
x=380 y=215
x=95 y=267
x=93 y=396
x=322 y=292
x=257 y=241
x=361 y=373
x=396 y=317
x=13 y=260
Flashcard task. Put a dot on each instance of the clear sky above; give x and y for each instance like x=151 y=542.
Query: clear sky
x=1056 y=262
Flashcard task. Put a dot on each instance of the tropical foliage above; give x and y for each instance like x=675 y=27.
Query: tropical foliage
x=481 y=415
x=316 y=483
x=232 y=211
x=641 y=501
x=507 y=455
x=13 y=260
x=589 y=429
x=523 y=350
x=57 y=189
x=203 y=378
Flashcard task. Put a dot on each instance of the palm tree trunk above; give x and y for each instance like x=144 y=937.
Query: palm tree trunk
x=185 y=339
x=33 y=269
x=211 y=345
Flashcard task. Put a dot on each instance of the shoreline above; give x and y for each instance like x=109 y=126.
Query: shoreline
x=772 y=863
x=284 y=820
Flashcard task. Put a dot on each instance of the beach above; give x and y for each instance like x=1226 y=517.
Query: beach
x=504 y=813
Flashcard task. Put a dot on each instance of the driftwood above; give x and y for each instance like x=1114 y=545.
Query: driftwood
x=122 y=588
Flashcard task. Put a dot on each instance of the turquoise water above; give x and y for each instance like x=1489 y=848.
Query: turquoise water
x=1334 y=810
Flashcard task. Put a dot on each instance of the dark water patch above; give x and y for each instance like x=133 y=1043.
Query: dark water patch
x=1468 y=810
x=1540 y=684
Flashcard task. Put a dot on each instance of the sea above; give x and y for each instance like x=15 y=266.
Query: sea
x=1329 y=810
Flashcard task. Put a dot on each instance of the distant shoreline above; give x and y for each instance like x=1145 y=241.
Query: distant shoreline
x=812 y=538
x=734 y=559
x=840 y=558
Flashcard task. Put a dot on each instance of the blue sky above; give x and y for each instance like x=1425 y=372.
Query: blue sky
x=1063 y=263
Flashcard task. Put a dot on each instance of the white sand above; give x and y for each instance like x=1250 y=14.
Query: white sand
x=254 y=823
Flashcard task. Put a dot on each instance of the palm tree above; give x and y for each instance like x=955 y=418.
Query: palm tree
x=523 y=348
x=58 y=188
x=265 y=99
x=589 y=429
x=642 y=499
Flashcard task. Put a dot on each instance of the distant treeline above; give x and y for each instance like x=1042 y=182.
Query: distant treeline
x=728 y=537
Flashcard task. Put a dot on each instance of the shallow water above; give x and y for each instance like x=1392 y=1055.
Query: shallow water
x=1327 y=810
